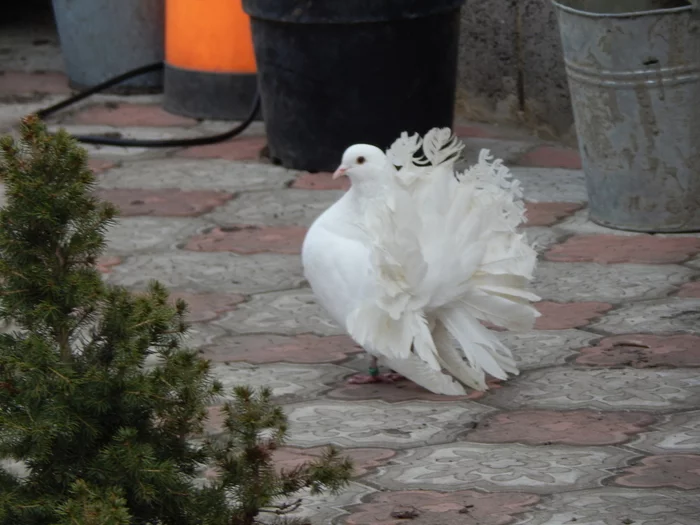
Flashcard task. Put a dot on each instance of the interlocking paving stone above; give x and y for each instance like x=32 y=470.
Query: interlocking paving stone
x=661 y=316
x=616 y=506
x=547 y=427
x=619 y=389
x=131 y=235
x=211 y=272
x=188 y=174
x=424 y=507
x=291 y=312
x=292 y=382
x=542 y=470
x=680 y=471
x=266 y=348
x=615 y=249
x=379 y=424
x=552 y=185
x=643 y=351
x=276 y=208
x=676 y=434
x=571 y=282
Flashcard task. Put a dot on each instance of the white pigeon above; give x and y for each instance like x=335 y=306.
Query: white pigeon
x=414 y=257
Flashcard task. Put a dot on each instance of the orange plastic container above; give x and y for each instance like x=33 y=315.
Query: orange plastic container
x=210 y=67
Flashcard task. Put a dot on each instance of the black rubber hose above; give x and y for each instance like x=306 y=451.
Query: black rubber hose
x=143 y=143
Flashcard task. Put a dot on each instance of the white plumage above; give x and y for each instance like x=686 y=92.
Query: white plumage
x=414 y=256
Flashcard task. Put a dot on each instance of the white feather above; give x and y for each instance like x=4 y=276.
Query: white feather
x=412 y=258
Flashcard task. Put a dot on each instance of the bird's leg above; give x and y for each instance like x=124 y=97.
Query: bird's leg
x=374 y=375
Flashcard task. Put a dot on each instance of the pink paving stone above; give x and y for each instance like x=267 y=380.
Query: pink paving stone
x=690 y=290
x=165 y=202
x=239 y=148
x=250 y=239
x=549 y=213
x=399 y=391
x=20 y=83
x=364 y=459
x=562 y=316
x=321 y=181
x=614 y=249
x=424 y=507
x=544 y=427
x=104 y=264
x=207 y=307
x=100 y=165
x=136 y=115
x=644 y=351
x=674 y=470
x=551 y=157
x=307 y=348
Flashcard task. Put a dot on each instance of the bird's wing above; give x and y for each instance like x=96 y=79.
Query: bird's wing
x=446 y=254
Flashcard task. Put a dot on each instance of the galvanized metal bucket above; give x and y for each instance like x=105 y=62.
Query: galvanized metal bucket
x=101 y=39
x=634 y=79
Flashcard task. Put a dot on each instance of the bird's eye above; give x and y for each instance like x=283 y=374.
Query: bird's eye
x=360 y=160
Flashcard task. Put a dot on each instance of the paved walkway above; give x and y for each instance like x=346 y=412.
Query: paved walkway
x=601 y=428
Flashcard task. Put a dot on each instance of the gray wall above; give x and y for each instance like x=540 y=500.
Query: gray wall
x=511 y=67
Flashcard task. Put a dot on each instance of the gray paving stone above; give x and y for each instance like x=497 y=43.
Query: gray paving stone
x=197 y=174
x=506 y=150
x=210 y=272
x=676 y=434
x=541 y=238
x=672 y=314
x=289 y=312
x=551 y=184
x=616 y=506
x=379 y=424
x=132 y=235
x=501 y=467
x=615 y=283
x=579 y=224
x=291 y=382
x=653 y=390
x=275 y=208
x=543 y=348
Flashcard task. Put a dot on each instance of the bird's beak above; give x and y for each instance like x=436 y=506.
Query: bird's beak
x=342 y=170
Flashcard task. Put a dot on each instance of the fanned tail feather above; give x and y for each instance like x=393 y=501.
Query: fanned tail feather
x=446 y=254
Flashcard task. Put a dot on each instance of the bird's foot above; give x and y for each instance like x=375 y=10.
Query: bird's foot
x=365 y=379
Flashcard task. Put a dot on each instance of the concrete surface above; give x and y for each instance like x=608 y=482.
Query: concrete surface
x=601 y=428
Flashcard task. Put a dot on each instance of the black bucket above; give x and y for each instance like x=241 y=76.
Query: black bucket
x=339 y=72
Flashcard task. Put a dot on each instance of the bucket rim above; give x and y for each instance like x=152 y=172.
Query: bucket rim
x=632 y=14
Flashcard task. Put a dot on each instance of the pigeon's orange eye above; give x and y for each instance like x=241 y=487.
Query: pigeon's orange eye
x=360 y=160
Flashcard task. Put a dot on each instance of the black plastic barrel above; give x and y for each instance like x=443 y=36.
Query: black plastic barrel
x=334 y=73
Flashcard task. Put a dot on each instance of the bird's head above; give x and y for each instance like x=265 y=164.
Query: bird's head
x=362 y=163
